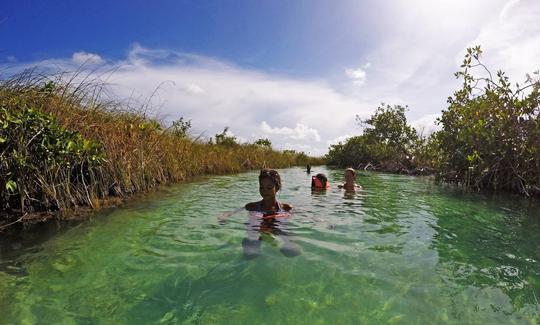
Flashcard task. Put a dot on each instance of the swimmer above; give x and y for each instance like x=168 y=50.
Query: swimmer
x=308 y=169
x=267 y=217
x=350 y=179
x=269 y=185
x=320 y=182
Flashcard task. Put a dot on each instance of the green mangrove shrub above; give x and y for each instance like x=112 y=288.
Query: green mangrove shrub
x=263 y=143
x=490 y=135
x=43 y=165
x=63 y=146
x=387 y=142
x=225 y=139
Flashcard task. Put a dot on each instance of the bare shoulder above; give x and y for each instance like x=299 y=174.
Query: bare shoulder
x=287 y=206
x=251 y=206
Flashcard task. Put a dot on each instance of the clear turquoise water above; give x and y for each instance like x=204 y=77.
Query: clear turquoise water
x=403 y=251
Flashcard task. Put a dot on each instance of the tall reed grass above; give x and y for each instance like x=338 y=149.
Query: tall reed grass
x=64 y=145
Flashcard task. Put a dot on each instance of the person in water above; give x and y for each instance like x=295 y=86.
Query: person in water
x=350 y=181
x=269 y=185
x=320 y=182
x=308 y=169
x=268 y=217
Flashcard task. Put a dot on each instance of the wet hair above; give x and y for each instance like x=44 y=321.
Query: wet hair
x=321 y=177
x=351 y=170
x=272 y=175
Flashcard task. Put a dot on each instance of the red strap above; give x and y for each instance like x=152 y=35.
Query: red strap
x=277 y=215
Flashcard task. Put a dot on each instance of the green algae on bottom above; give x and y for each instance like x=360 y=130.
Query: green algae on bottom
x=404 y=250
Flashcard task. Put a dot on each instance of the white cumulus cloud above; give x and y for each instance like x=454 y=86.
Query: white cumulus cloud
x=82 y=57
x=507 y=8
x=212 y=93
x=358 y=75
x=300 y=131
x=192 y=89
x=512 y=42
x=412 y=62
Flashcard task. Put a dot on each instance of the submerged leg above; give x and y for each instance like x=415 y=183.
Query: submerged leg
x=251 y=243
x=289 y=248
x=252 y=248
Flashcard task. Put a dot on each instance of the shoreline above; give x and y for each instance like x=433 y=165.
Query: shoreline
x=80 y=213
x=66 y=147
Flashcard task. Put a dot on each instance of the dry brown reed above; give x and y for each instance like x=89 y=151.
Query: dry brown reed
x=139 y=152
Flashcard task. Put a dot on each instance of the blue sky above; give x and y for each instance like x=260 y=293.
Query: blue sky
x=296 y=72
x=303 y=38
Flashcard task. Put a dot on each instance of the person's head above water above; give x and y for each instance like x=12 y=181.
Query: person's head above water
x=350 y=175
x=269 y=183
x=266 y=216
x=350 y=181
x=320 y=182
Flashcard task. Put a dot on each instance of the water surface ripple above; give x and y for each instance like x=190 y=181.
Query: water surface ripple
x=404 y=250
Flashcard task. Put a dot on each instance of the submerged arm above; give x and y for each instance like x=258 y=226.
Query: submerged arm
x=226 y=215
x=287 y=207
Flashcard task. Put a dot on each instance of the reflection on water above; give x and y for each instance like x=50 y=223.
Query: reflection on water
x=403 y=250
x=269 y=228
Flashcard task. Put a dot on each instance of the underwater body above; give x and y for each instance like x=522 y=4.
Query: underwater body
x=402 y=250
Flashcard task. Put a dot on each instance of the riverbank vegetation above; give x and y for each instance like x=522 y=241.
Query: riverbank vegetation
x=63 y=146
x=489 y=136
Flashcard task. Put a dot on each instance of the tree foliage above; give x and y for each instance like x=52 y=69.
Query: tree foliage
x=389 y=126
x=180 y=127
x=490 y=135
x=387 y=141
x=264 y=143
x=225 y=139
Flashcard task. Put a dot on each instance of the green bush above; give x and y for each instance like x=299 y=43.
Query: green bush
x=42 y=162
x=62 y=146
x=387 y=141
x=490 y=135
